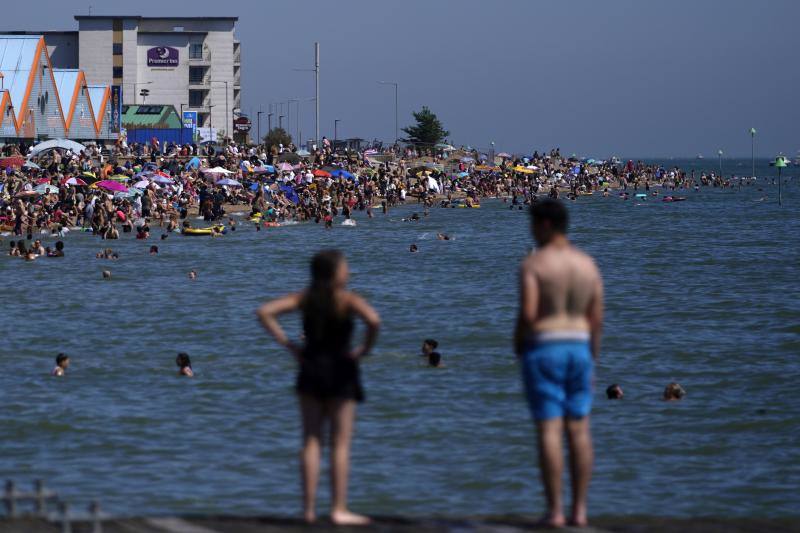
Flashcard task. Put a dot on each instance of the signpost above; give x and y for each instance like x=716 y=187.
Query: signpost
x=190 y=123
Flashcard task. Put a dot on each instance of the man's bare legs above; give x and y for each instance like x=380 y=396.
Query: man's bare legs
x=313 y=414
x=342 y=413
x=551 y=464
x=581 y=458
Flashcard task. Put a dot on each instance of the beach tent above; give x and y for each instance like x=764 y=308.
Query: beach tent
x=217 y=170
x=64 y=144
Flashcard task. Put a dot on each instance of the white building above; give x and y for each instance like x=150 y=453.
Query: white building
x=192 y=63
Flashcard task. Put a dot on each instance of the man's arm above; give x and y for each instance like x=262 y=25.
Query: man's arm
x=595 y=317
x=528 y=306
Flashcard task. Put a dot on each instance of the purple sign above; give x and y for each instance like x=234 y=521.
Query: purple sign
x=162 y=56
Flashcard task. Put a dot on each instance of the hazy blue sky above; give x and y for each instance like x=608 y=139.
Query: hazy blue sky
x=624 y=77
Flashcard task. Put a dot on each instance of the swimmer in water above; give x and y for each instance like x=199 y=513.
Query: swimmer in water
x=62 y=364
x=106 y=274
x=614 y=392
x=192 y=274
x=59 y=251
x=184 y=365
x=673 y=392
x=428 y=347
x=443 y=236
x=413 y=248
x=154 y=250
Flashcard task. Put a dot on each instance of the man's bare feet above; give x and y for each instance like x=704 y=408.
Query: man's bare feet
x=579 y=518
x=310 y=517
x=552 y=521
x=346 y=518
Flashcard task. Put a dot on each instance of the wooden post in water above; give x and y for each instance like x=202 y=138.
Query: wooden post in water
x=780 y=163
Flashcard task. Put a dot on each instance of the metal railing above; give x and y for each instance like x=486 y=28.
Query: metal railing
x=41 y=499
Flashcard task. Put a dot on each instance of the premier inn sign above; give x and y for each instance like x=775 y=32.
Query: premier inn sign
x=162 y=56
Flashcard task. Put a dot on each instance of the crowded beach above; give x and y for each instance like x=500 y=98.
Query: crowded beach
x=61 y=186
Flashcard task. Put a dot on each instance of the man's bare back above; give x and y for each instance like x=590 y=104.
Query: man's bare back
x=561 y=291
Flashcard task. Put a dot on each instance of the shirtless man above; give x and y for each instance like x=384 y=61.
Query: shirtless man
x=557 y=338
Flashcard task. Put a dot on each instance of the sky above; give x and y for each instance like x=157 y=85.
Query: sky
x=632 y=78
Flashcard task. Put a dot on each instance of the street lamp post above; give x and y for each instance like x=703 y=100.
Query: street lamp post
x=719 y=153
x=335 y=132
x=296 y=117
x=780 y=163
x=182 y=124
x=280 y=121
x=211 y=124
x=315 y=70
x=396 y=127
x=269 y=122
x=753 y=150
x=258 y=125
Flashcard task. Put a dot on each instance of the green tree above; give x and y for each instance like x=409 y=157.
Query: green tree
x=428 y=131
x=275 y=137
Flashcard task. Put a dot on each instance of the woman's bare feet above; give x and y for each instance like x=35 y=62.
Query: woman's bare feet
x=552 y=521
x=346 y=518
x=579 y=518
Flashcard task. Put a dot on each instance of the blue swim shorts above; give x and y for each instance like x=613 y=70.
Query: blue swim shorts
x=557 y=373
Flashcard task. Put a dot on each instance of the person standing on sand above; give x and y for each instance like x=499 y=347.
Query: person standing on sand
x=329 y=382
x=557 y=338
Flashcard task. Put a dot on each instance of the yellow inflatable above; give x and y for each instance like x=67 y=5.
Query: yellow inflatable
x=203 y=231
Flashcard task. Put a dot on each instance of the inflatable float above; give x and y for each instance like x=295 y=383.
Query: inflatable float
x=202 y=231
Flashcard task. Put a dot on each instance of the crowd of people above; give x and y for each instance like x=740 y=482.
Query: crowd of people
x=131 y=189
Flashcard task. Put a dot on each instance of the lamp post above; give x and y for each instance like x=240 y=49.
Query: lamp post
x=136 y=84
x=753 y=149
x=296 y=117
x=780 y=163
x=315 y=70
x=396 y=127
x=719 y=153
x=269 y=122
x=335 y=132
x=280 y=121
x=182 y=124
x=211 y=124
x=258 y=125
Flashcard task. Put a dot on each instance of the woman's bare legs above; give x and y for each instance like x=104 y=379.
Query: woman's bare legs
x=313 y=413
x=342 y=413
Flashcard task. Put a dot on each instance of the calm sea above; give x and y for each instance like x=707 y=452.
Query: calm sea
x=703 y=292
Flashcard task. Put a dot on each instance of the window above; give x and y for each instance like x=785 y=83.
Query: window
x=125 y=109
x=149 y=110
x=196 y=51
x=177 y=28
x=117 y=49
x=196 y=98
x=117 y=72
x=196 y=74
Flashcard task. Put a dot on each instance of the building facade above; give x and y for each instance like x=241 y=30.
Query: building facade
x=191 y=63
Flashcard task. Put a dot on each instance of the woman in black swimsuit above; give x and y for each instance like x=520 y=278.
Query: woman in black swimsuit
x=329 y=383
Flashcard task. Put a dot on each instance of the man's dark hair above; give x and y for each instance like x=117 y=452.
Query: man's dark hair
x=553 y=211
x=183 y=360
x=432 y=343
x=613 y=392
x=60 y=358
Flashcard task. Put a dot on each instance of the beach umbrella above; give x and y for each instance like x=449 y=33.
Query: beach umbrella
x=113 y=186
x=264 y=169
x=42 y=180
x=133 y=191
x=342 y=173
x=119 y=177
x=284 y=167
x=523 y=170
x=161 y=178
x=444 y=146
x=504 y=155
x=217 y=170
x=319 y=173
x=46 y=189
x=303 y=153
x=65 y=144
x=74 y=181
x=467 y=159
x=25 y=194
x=31 y=165
x=193 y=163
x=462 y=174
x=289 y=157
x=230 y=182
x=141 y=184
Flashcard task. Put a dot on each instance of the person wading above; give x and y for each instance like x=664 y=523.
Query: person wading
x=329 y=383
x=557 y=339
